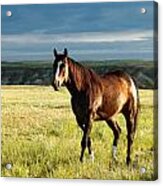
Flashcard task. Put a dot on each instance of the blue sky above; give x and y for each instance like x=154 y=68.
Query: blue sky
x=90 y=31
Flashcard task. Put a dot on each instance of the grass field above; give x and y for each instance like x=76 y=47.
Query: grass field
x=40 y=138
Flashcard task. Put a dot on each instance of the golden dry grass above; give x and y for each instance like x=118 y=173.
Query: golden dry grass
x=40 y=138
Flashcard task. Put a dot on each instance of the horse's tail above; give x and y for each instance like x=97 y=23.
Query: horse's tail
x=136 y=101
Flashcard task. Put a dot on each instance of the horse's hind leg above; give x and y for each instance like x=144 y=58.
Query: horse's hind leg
x=130 y=138
x=130 y=117
x=91 y=153
x=116 y=131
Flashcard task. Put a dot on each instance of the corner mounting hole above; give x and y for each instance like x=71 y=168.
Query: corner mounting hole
x=8 y=166
x=143 y=10
x=8 y=13
x=142 y=170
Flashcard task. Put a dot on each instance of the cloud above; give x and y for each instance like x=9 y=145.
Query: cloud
x=83 y=37
x=85 y=45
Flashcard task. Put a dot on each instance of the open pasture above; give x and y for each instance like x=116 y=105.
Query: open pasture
x=40 y=138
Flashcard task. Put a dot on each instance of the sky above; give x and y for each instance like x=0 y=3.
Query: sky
x=90 y=31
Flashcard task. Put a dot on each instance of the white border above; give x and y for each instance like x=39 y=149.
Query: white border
x=40 y=182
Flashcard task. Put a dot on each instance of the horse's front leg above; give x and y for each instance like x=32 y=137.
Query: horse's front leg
x=86 y=140
x=89 y=143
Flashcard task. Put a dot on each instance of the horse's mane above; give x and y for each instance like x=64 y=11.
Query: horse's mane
x=82 y=76
x=79 y=65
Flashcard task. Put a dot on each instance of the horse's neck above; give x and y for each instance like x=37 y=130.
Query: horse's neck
x=76 y=82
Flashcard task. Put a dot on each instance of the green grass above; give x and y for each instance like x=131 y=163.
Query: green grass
x=40 y=138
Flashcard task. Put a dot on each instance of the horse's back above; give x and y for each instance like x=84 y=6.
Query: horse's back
x=116 y=81
x=116 y=74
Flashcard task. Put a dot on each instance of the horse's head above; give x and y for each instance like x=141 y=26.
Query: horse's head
x=60 y=69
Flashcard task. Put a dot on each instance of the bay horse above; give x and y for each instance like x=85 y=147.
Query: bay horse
x=95 y=97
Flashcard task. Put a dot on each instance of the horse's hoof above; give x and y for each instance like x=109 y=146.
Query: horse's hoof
x=128 y=160
x=81 y=160
x=115 y=159
x=114 y=153
x=92 y=157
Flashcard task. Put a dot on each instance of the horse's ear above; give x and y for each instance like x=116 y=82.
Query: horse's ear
x=65 y=52
x=55 y=52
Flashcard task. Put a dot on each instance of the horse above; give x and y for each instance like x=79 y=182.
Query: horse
x=98 y=97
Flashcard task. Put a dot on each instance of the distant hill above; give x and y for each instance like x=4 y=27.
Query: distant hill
x=40 y=72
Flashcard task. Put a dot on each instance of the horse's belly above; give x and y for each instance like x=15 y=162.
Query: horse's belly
x=104 y=114
x=111 y=106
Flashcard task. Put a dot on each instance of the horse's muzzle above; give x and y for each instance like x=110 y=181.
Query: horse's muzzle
x=55 y=85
